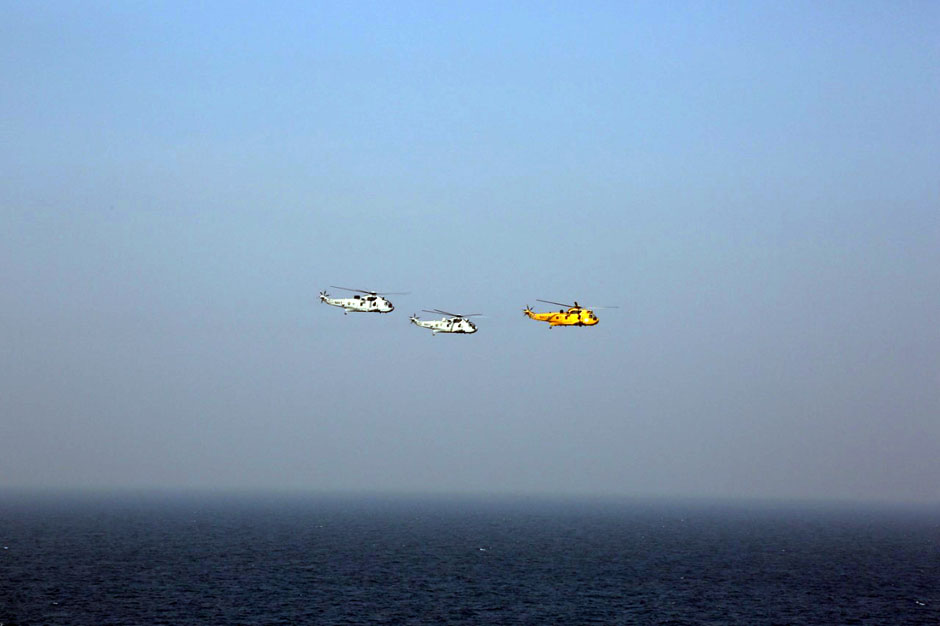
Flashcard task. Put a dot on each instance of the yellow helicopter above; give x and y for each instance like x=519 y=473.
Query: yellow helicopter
x=576 y=315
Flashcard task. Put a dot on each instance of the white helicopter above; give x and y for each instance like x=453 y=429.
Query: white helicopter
x=450 y=323
x=371 y=302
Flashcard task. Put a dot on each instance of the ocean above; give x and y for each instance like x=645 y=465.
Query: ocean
x=240 y=559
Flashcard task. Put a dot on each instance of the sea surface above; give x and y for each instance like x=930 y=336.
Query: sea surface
x=227 y=559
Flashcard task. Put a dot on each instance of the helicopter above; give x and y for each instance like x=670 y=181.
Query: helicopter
x=371 y=302
x=451 y=323
x=576 y=315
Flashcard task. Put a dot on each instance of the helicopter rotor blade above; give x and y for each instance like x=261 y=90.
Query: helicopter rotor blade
x=558 y=303
x=371 y=293
x=582 y=307
x=458 y=315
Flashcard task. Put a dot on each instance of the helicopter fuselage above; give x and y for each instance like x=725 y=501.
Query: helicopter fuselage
x=446 y=325
x=574 y=316
x=359 y=304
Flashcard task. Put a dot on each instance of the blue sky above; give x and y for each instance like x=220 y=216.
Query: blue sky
x=755 y=186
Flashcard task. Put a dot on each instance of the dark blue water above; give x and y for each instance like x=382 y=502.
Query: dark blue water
x=186 y=559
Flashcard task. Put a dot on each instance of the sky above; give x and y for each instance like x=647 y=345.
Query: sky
x=755 y=186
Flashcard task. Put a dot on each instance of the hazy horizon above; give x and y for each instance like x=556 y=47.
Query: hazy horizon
x=756 y=187
x=65 y=496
